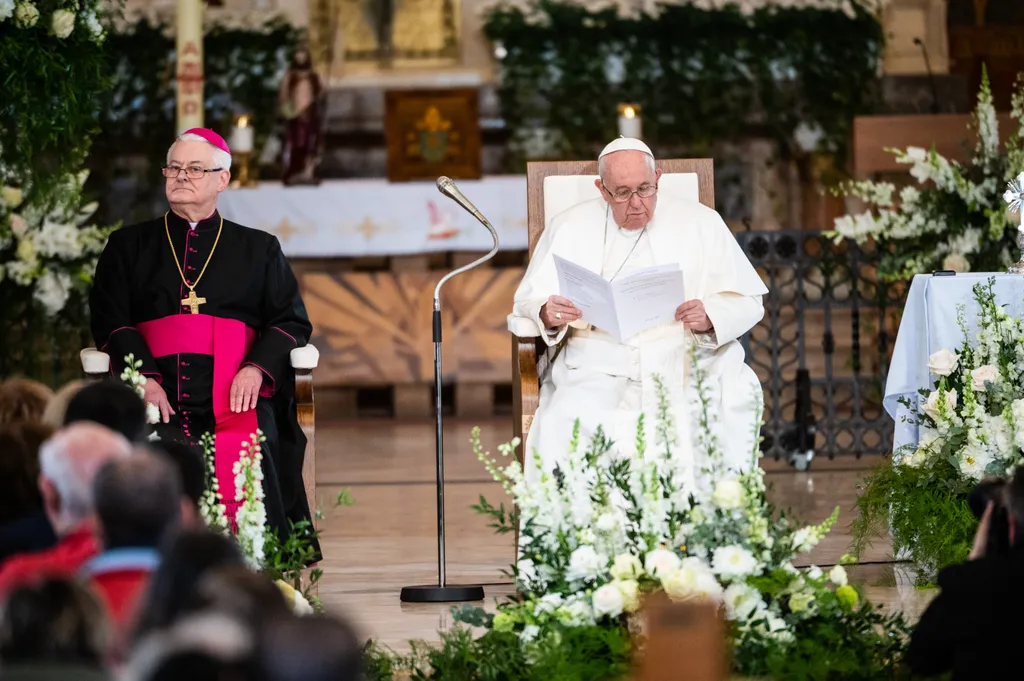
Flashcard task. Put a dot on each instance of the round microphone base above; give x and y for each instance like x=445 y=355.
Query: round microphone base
x=452 y=593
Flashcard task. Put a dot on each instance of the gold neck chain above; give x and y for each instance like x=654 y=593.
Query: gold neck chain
x=192 y=287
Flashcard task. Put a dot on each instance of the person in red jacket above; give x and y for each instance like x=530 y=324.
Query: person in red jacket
x=138 y=505
x=68 y=462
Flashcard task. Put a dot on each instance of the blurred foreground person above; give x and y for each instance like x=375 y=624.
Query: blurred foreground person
x=52 y=631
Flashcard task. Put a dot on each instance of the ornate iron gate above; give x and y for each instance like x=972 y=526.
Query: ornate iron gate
x=822 y=349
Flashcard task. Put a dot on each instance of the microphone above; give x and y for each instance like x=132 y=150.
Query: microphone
x=931 y=76
x=446 y=186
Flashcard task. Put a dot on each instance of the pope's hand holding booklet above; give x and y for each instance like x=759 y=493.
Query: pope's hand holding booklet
x=638 y=301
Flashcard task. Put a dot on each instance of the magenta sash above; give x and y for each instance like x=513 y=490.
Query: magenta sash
x=228 y=341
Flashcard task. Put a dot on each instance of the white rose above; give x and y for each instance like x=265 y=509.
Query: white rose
x=814 y=573
x=11 y=197
x=957 y=263
x=943 y=362
x=729 y=495
x=915 y=460
x=626 y=566
x=26 y=251
x=931 y=405
x=693 y=579
x=26 y=15
x=730 y=562
x=608 y=601
x=19 y=225
x=661 y=561
x=982 y=375
x=62 y=23
x=837 y=576
x=678 y=584
x=630 y=591
x=584 y=564
x=6 y=9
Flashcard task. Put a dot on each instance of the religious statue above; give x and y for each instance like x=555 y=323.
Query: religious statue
x=300 y=102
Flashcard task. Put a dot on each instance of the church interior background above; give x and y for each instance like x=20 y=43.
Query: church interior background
x=370 y=236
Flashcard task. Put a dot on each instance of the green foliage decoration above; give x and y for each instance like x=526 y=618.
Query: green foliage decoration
x=52 y=89
x=702 y=77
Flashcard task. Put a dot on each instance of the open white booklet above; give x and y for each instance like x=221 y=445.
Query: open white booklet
x=626 y=306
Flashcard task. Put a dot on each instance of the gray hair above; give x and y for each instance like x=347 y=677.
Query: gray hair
x=221 y=158
x=647 y=157
x=70 y=460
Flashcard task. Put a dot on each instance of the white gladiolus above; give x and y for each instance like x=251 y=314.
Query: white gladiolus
x=804 y=540
x=943 y=362
x=729 y=495
x=931 y=406
x=62 y=23
x=608 y=601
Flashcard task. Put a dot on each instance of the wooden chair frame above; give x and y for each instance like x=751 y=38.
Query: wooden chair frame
x=526 y=352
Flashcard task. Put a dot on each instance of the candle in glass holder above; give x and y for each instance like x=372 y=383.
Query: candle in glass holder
x=629 y=121
x=242 y=141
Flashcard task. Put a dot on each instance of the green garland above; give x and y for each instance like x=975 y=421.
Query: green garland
x=52 y=90
x=702 y=77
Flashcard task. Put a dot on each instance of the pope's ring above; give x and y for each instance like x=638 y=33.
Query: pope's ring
x=558 y=315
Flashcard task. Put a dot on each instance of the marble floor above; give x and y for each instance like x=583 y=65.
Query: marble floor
x=387 y=539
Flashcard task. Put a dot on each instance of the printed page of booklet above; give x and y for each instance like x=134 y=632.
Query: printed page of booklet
x=636 y=302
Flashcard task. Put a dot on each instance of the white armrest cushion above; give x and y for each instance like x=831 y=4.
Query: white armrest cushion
x=94 y=361
x=306 y=357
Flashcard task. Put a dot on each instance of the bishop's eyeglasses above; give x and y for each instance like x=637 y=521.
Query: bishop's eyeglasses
x=191 y=172
x=623 y=194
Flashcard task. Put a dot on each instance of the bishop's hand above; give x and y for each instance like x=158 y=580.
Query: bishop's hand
x=155 y=395
x=558 y=312
x=245 y=389
x=694 y=317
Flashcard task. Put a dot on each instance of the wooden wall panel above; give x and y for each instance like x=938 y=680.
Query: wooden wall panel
x=375 y=328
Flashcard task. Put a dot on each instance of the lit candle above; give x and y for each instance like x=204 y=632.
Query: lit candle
x=629 y=121
x=242 y=141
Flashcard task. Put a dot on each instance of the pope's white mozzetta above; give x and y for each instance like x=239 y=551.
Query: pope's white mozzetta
x=606 y=383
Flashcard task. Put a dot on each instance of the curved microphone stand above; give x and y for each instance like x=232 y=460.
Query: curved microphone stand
x=442 y=592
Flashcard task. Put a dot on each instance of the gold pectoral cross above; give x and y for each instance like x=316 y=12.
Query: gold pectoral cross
x=193 y=301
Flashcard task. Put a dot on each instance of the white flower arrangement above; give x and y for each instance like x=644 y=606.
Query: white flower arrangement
x=211 y=505
x=604 y=530
x=251 y=516
x=954 y=220
x=973 y=417
x=134 y=378
x=61 y=23
x=44 y=248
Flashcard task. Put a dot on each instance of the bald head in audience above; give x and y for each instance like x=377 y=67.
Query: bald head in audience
x=68 y=463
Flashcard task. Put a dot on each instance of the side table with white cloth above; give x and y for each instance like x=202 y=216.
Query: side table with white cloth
x=930 y=324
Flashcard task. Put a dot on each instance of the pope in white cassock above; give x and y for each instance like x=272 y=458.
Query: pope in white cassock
x=607 y=383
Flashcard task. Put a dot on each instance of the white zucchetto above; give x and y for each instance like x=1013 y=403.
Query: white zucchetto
x=626 y=144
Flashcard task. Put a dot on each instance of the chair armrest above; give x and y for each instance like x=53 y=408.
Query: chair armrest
x=95 y=362
x=306 y=357
x=525 y=387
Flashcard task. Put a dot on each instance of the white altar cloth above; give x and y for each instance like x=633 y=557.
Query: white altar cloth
x=930 y=324
x=376 y=217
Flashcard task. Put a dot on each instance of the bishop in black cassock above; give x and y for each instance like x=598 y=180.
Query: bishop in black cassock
x=213 y=310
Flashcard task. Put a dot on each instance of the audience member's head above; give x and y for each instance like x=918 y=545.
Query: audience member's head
x=19 y=469
x=1013 y=500
x=309 y=649
x=992 y=490
x=186 y=559
x=138 y=501
x=55 y=621
x=192 y=472
x=201 y=647
x=22 y=399
x=68 y=463
x=110 y=403
x=53 y=416
x=238 y=591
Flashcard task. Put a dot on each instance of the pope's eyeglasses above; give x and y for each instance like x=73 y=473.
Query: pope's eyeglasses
x=622 y=195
